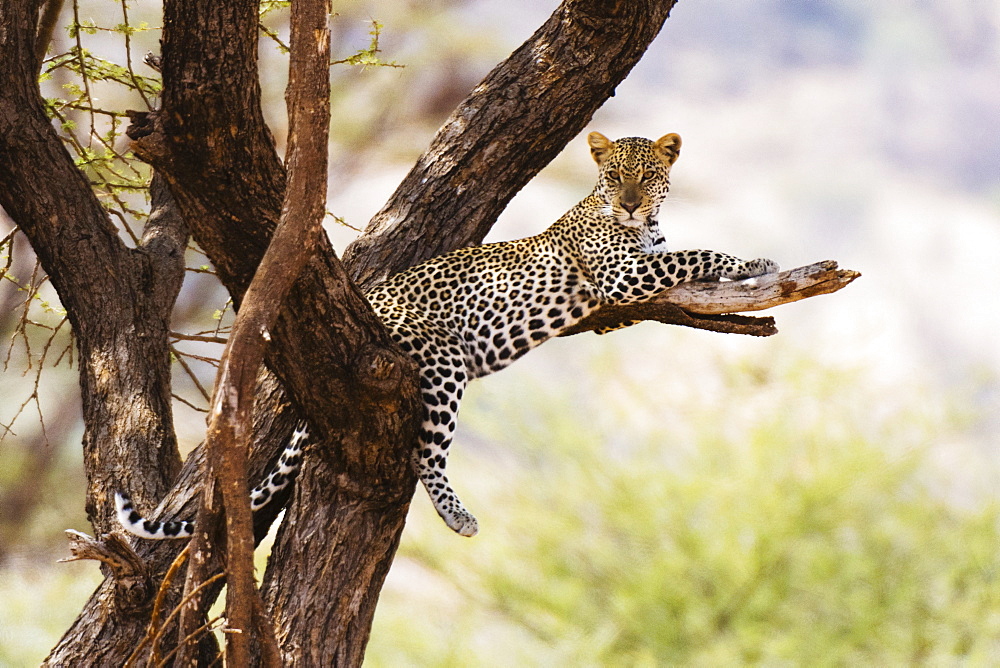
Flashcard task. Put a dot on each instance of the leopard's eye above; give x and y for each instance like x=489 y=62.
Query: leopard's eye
x=615 y=176
x=648 y=174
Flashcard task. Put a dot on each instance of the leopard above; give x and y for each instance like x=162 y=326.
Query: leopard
x=474 y=311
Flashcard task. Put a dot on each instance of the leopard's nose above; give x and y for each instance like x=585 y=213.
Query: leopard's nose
x=630 y=207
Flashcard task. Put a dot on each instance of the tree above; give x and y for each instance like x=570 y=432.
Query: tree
x=327 y=358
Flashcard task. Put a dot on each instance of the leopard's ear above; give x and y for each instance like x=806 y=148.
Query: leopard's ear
x=668 y=147
x=600 y=147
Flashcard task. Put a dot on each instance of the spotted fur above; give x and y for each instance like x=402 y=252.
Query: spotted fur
x=277 y=479
x=472 y=312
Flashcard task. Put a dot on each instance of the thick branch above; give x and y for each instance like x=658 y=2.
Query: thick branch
x=511 y=126
x=119 y=302
x=707 y=305
x=761 y=293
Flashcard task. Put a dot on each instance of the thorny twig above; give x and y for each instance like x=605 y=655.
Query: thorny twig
x=179 y=356
x=128 y=55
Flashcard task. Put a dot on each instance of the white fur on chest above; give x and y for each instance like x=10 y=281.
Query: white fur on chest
x=652 y=240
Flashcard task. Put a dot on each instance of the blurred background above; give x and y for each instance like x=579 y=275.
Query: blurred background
x=656 y=496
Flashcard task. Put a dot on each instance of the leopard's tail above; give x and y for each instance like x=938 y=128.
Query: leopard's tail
x=277 y=479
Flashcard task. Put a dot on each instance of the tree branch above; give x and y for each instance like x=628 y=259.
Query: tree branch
x=105 y=287
x=133 y=582
x=764 y=292
x=293 y=242
x=119 y=302
x=509 y=127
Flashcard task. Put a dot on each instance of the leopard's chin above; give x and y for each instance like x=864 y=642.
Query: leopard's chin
x=632 y=221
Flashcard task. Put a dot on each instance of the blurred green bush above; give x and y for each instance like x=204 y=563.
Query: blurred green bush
x=807 y=531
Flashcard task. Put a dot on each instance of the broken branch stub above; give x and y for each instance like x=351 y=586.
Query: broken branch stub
x=133 y=583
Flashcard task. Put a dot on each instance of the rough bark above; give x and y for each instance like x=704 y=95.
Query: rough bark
x=365 y=401
x=118 y=299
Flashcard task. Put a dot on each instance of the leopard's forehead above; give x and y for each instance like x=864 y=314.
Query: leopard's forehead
x=638 y=142
x=632 y=151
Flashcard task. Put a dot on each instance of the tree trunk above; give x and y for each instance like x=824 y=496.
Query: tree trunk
x=357 y=488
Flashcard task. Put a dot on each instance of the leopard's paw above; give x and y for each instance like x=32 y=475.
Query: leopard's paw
x=762 y=266
x=753 y=268
x=461 y=522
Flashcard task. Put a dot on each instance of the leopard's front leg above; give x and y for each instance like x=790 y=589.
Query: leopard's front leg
x=714 y=265
x=628 y=278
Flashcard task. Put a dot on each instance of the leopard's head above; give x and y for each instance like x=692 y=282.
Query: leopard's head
x=634 y=175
